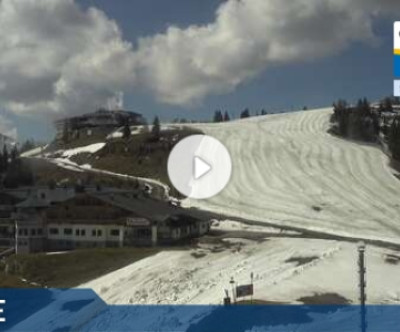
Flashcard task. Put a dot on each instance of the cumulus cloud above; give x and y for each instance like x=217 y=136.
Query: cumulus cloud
x=247 y=36
x=57 y=58
x=7 y=128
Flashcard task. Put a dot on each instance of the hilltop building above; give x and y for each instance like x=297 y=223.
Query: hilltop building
x=101 y=122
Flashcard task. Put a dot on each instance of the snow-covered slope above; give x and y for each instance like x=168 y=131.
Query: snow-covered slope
x=92 y=148
x=287 y=169
x=183 y=277
x=34 y=152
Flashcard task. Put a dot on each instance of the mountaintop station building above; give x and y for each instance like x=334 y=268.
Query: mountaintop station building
x=101 y=122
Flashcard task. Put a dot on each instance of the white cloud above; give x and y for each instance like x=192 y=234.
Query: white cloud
x=7 y=128
x=184 y=65
x=57 y=58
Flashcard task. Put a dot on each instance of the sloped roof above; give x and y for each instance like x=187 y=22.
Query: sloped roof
x=181 y=220
x=33 y=202
x=36 y=197
x=144 y=207
x=127 y=200
x=101 y=111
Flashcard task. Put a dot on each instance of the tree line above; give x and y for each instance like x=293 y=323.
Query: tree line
x=155 y=130
x=13 y=171
x=220 y=116
x=355 y=122
x=362 y=122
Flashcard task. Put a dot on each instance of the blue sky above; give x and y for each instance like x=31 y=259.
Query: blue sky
x=363 y=69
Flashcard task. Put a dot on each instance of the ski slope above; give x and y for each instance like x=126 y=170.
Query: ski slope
x=288 y=170
x=200 y=276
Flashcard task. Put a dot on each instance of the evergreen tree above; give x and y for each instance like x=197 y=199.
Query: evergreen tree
x=2 y=166
x=28 y=145
x=245 y=114
x=65 y=134
x=394 y=139
x=156 y=130
x=226 y=116
x=5 y=158
x=14 y=154
x=341 y=117
x=387 y=104
x=218 y=117
x=126 y=132
x=18 y=174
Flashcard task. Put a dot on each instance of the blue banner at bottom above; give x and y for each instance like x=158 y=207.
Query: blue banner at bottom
x=57 y=310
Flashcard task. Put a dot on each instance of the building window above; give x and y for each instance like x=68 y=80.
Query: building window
x=25 y=231
x=40 y=231
x=33 y=232
x=53 y=231
x=20 y=231
x=143 y=233
x=99 y=232
x=114 y=232
x=83 y=232
x=77 y=232
x=67 y=231
x=93 y=232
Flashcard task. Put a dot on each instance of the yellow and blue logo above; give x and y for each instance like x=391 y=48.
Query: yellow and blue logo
x=396 y=51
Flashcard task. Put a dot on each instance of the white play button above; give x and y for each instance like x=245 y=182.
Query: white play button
x=199 y=166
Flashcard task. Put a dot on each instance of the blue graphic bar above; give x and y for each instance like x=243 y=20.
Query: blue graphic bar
x=63 y=310
x=397 y=65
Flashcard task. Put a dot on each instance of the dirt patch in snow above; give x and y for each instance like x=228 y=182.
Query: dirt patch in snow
x=392 y=259
x=198 y=254
x=325 y=298
x=317 y=208
x=301 y=260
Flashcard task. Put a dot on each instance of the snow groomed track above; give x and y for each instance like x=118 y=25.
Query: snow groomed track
x=288 y=170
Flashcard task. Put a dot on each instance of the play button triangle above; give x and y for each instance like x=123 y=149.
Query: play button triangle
x=200 y=168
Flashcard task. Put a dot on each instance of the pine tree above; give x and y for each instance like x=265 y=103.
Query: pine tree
x=341 y=117
x=156 y=130
x=14 y=154
x=65 y=134
x=387 y=104
x=218 y=117
x=226 y=116
x=394 y=139
x=126 y=132
x=245 y=114
x=5 y=158
x=2 y=166
x=28 y=145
